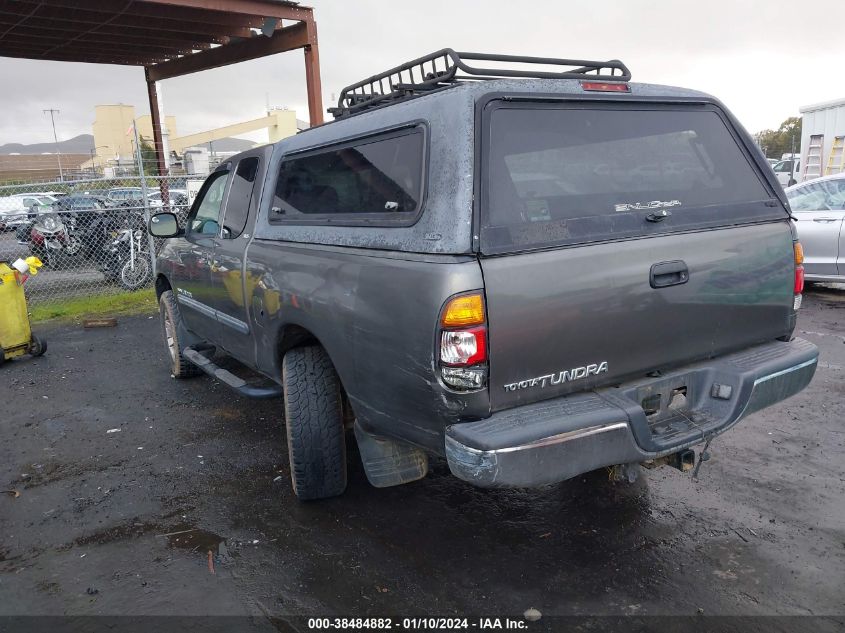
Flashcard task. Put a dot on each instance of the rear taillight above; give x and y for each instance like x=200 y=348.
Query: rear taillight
x=798 y=287
x=463 y=343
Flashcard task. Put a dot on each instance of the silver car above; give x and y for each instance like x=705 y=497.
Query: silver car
x=819 y=210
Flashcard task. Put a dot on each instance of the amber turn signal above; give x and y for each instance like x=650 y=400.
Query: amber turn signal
x=799 y=254
x=464 y=310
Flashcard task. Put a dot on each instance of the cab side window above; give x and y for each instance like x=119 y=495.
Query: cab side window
x=206 y=217
x=240 y=197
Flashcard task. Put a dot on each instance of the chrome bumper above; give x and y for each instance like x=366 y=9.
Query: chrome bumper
x=558 y=439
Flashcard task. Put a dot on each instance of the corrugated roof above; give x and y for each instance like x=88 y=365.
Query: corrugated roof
x=836 y=103
x=150 y=33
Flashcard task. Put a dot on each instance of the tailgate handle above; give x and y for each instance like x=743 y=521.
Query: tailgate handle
x=668 y=274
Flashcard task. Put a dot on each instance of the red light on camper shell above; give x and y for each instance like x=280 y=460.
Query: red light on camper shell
x=605 y=86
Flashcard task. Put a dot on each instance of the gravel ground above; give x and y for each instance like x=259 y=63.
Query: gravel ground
x=134 y=486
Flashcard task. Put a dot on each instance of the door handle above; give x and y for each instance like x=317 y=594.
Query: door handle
x=824 y=220
x=665 y=274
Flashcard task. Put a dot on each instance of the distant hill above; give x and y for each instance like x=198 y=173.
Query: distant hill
x=81 y=144
x=84 y=143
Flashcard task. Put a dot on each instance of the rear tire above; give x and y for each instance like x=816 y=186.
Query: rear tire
x=314 y=421
x=171 y=324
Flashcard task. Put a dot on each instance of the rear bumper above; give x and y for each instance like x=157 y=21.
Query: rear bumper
x=557 y=439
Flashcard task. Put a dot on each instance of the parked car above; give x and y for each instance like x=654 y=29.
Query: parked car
x=120 y=195
x=80 y=209
x=18 y=209
x=818 y=209
x=788 y=172
x=178 y=199
x=471 y=269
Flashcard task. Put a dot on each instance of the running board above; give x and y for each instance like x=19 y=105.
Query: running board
x=229 y=379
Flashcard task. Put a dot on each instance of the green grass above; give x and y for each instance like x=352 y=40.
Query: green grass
x=126 y=303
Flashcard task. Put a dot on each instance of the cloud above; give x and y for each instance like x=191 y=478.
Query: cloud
x=763 y=59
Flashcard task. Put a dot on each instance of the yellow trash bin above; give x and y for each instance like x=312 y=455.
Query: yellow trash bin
x=16 y=337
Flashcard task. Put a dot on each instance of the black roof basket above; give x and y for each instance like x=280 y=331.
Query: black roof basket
x=446 y=67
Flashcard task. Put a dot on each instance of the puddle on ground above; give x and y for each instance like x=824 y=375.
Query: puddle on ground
x=195 y=539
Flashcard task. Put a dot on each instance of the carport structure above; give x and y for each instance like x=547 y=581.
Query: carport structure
x=169 y=38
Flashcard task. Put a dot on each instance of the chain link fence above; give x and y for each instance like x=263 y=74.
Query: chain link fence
x=90 y=234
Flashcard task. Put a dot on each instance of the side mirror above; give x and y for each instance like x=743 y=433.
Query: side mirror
x=164 y=225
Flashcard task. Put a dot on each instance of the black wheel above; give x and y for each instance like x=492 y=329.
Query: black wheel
x=314 y=420
x=171 y=324
x=135 y=277
x=37 y=346
x=73 y=246
x=791 y=182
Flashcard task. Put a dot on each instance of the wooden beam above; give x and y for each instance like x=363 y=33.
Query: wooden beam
x=264 y=8
x=113 y=47
x=146 y=10
x=155 y=117
x=156 y=11
x=31 y=34
x=73 y=20
x=313 y=84
x=285 y=39
x=122 y=60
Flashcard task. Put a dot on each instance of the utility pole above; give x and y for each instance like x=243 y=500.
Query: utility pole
x=792 y=159
x=56 y=140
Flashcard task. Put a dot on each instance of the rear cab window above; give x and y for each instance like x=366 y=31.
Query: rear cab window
x=559 y=174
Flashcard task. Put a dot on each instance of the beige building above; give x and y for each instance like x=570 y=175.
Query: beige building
x=113 y=136
x=114 y=139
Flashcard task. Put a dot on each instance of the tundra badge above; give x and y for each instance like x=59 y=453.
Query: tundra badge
x=567 y=375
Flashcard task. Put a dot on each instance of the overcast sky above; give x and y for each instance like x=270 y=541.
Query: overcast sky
x=764 y=59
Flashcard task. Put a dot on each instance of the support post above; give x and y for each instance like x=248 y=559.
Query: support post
x=146 y=197
x=312 y=75
x=158 y=143
x=155 y=116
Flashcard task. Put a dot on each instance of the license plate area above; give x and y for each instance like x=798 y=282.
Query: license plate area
x=662 y=399
x=672 y=408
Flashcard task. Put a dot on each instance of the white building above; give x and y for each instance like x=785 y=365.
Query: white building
x=824 y=125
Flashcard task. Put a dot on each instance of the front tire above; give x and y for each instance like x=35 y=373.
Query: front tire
x=171 y=325
x=134 y=279
x=314 y=421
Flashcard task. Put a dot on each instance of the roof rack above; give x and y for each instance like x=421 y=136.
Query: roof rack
x=440 y=70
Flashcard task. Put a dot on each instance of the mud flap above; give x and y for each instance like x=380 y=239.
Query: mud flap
x=389 y=462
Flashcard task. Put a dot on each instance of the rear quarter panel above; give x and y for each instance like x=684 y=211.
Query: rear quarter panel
x=376 y=314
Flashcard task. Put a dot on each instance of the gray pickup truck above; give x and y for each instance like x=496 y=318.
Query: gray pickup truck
x=534 y=271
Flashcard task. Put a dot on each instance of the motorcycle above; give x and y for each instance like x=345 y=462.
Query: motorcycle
x=52 y=241
x=125 y=259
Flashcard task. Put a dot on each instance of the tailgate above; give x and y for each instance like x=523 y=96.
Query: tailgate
x=575 y=318
x=622 y=238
